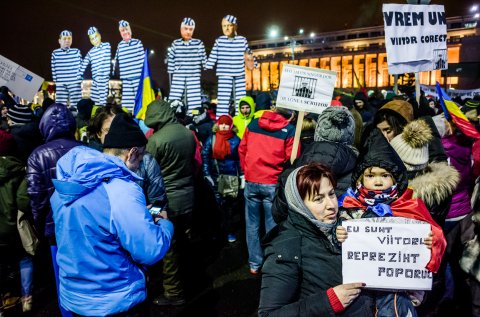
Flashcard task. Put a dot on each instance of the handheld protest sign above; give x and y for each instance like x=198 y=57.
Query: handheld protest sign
x=387 y=253
x=19 y=80
x=305 y=89
x=415 y=37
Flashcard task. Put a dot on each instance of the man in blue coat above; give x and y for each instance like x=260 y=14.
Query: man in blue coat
x=106 y=236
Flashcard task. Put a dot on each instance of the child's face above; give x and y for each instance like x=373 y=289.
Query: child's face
x=376 y=178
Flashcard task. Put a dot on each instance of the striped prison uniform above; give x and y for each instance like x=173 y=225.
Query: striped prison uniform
x=185 y=62
x=65 y=64
x=229 y=55
x=130 y=61
x=100 y=59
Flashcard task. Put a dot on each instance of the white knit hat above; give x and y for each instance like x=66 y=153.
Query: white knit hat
x=412 y=145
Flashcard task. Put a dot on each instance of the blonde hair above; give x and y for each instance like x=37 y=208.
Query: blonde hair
x=308 y=124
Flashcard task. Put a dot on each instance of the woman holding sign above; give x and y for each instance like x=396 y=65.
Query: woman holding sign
x=302 y=273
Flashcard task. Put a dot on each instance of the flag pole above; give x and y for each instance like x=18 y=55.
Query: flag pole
x=417 y=88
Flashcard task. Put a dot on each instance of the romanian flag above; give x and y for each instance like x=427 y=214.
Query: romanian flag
x=145 y=94
x=453 y=112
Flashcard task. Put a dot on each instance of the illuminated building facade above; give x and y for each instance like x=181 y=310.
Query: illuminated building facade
x=359 y=56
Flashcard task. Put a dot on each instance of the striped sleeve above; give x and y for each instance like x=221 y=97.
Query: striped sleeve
x=84 y=64
x=52 y=62
x=171 y=59
x=212 y=58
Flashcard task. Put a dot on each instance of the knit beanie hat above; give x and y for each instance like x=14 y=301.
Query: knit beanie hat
x=20 y=114
x=124 y=133
x=84 y=108
x=335 y=124
x=7 y=143
x=412 y=145
x=225 y=119
x=473 y=103
x=403 y=108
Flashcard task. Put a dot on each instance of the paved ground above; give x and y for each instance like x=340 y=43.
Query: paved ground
x=218 y=281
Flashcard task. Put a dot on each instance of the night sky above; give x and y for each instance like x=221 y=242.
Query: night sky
x=32 y=27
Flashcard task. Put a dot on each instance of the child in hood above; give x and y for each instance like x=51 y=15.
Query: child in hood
x=379 y=189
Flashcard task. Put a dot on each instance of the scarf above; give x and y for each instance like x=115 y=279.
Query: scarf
x=413 y=208
x=221 y=148
x=295 y=203
x=377 y=201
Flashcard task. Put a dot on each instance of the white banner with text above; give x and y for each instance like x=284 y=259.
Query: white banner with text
x=387 y=253
x=415 y=37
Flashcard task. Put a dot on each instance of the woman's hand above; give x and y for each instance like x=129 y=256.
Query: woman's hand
x=341 y=233
x=346 y=293
x=429 y=240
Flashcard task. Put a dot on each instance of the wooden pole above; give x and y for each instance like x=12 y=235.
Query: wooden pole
x=296 y=140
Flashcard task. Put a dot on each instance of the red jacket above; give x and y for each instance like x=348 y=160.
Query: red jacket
x=265 y=148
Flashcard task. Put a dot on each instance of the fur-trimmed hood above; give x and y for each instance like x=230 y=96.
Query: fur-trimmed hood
x=436 y=183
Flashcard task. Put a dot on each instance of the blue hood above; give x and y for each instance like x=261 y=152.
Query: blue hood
x=57 y=122
x=82 y=169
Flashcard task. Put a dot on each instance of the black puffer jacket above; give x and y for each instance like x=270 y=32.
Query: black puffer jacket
x=57 y=127
x=339 y=157
x=300 y=266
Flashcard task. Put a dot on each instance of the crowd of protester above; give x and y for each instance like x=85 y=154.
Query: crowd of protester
x=108 y=197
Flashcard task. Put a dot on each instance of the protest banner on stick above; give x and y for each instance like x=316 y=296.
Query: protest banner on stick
x=387 y=253
x=19 y=80
x=305 y=89
x=415 y=37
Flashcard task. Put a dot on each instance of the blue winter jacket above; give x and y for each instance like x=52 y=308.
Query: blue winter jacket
x=104 y=234
x=228 y=166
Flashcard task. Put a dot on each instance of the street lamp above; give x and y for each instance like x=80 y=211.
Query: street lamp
x=152 y=52
x=474 y=8
x=273 y=32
